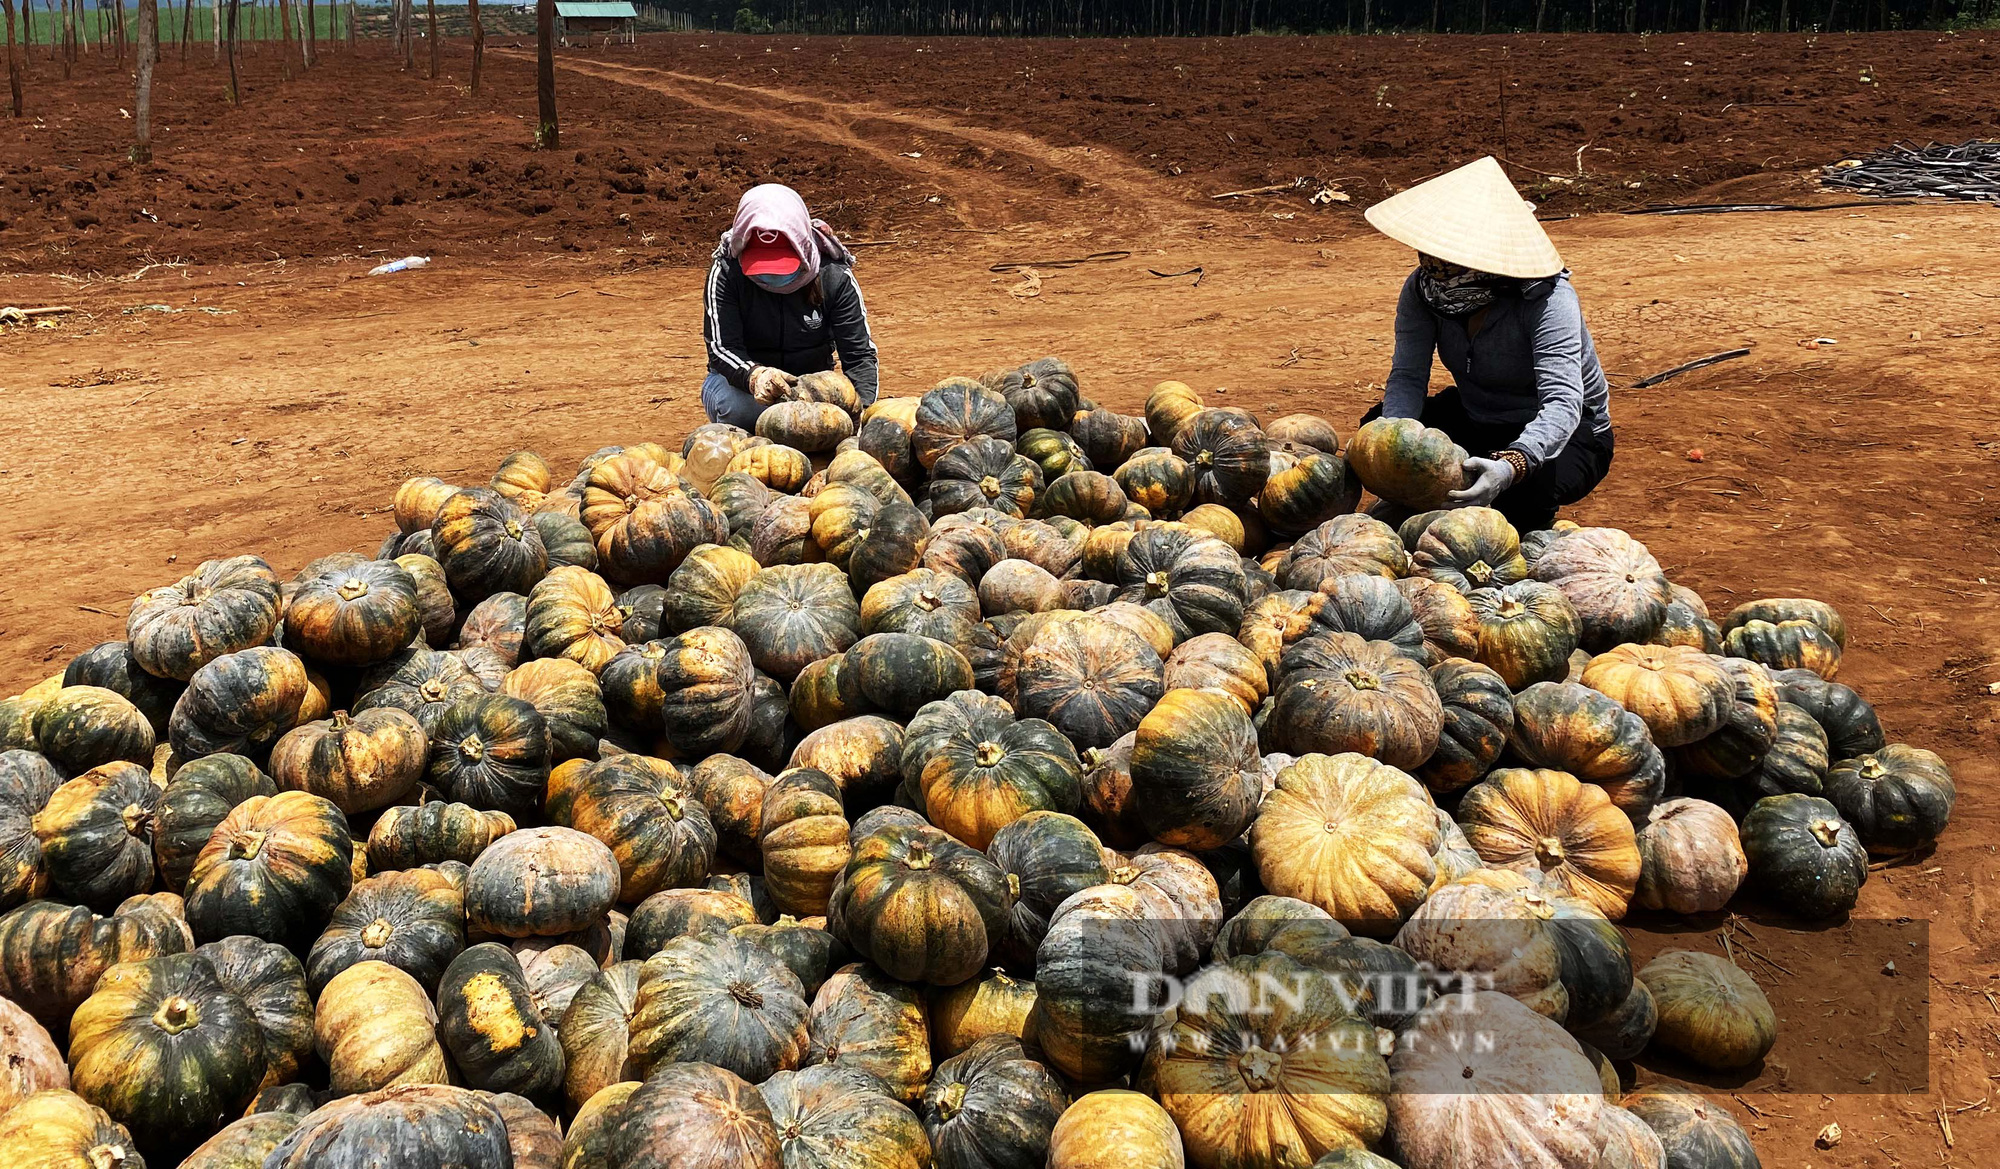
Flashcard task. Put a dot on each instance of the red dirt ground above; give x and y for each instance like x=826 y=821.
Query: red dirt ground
x=1864 y=472
x=659 y=139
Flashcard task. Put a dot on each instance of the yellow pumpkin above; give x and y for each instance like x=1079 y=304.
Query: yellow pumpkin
x=1553 y=823
x=1350 y=835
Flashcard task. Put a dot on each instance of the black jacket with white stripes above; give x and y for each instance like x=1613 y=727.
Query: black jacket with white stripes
x=798 y=332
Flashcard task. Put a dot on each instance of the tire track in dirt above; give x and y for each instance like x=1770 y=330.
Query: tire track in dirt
x=842 y=123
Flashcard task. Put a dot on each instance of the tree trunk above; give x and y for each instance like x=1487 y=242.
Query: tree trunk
x=350 y=25
x=478 y=41
x=68 y=35
x=409 y=35
x=548 y=135
x=142 y=105
x=215 y=27
x=235 y=87
x=431 y=34
x=312 y=33
x=13 y=61
x=285 y=36
x=1541 y=11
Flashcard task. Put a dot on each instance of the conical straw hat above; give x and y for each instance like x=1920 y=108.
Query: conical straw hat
x=1472 y=217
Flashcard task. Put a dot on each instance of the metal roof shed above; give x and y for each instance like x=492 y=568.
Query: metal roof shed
x=614 y=18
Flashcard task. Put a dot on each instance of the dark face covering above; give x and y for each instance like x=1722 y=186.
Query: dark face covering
x=1455 y=291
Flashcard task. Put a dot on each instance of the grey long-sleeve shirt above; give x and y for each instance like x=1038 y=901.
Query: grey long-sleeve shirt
x=1532 y=363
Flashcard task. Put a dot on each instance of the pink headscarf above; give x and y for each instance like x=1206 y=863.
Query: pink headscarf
x=776 y=207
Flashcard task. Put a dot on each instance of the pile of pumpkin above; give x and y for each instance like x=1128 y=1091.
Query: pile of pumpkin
x=811 y=798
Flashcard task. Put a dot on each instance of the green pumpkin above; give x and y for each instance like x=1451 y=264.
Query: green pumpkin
x=719 y=1000
x=96 y=834
x=409 y=837
x=272 y=984
x=1787 y=645
x=492 y=752
x=1046 y=856
x=566 y=540
x=1566 y=726
x=26 y=783
x=1478 y=717
x=1747 y=733
x=1595 y=960
x=689 y=1115
x=113 y=666
x=541 y=882
x=498 y=623
x=17 y=722
x=222 y=607
x=1107 y=437
x=81 y=727
x=595 y=1032
x=791 y=615
x=1470 y=548
x=1226 y=453
x=1342 y=545
x=1156 y=479
x=1709 y=1010
x=920 y=905
x=674 y=913
x=489 y=1023
x=892 y=545
x=1848 y=720
x=1196 y=772
x=955 y=411
x=166 y=1049
x=1526 y=631
x=275 y=868
x=1187 y=576
x=1898 y=799
x=240 y=703
x=1042 y=392
x=244 y=1142
x=840 y=1118
x=355 y=616
x=1625 y=1030
x=1778 y=610
x=866 y=1021
x=1100 y=944
x=977 y=768
x=412 y=919
x=1091 y=679
x=1250 y=929
x=486 y=544
x=1796 y=762
x=1803 y=856
x=1371 y=608
x=1305 y=490
x=991 y=1107
x=864 y=755
x=900 y=673
x=984 y=472
x=569 y=700
x=731 y=790
x=658 y=832
x=51 y=954
x=1054 y=452
x=804 y=947
x=1695 y=1132
x=419 y=682
x=421 y=1126
x=1407 y=463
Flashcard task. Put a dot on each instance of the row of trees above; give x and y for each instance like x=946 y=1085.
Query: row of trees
x=298 y=55
x=1233 y=17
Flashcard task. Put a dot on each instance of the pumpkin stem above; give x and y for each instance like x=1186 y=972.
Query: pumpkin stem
x=988 y=753
x=1479 y=571
x=673 y=806
x=375 y=934
x=951 y=1102
x=920 y=856
x=1259 y=1068
x=1124 y=875
x=990 y=486
x=105 y=1156
x=433 y=689
x=246 y=846
x=472 y=748
x=513 y=529
x=742 y=993
x=136 y=819
x=1156 y=584
x=785 y=919
x=1871 y=768
x=1014 y=886
x=1362 y=680
x=1509 y=608
x=1549 y=852
x=176 y=1015
x=352 y=589
x=340 y=720
x=1827 y=832
x=928 y=601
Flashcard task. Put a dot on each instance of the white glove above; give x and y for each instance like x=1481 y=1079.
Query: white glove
x=1488 y=478
x=768 y=385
